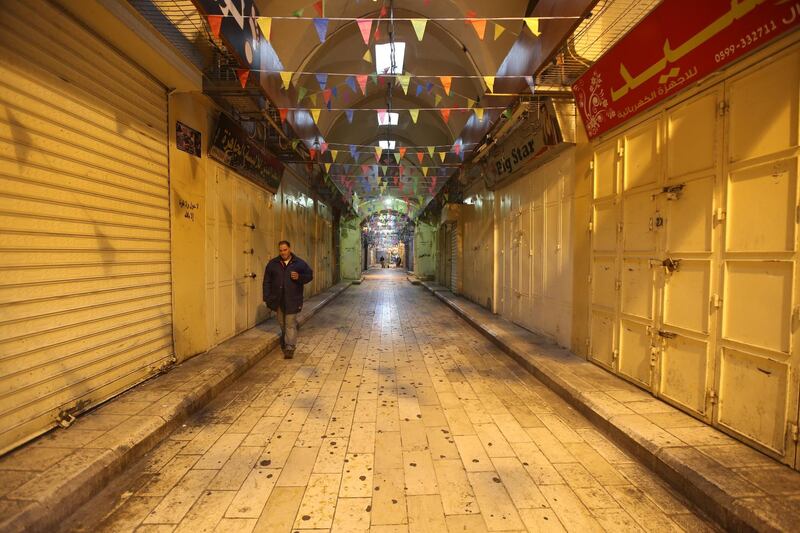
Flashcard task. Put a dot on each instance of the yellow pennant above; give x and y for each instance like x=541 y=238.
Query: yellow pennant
x=470 y=103
x=442 y=155
x=327 y=167
x=430 y=151
x=424 y=171
x=286 y=77
x=436 y=99
x=334 y=153
x=414 y=114
x=533 y=25
x=419 y=27
x=265 y=23
x=367 y=56
x=479 y=113
x=498 y=31
x=404 y=80
x=489 y=82
x=378 y=151
x=315 y=114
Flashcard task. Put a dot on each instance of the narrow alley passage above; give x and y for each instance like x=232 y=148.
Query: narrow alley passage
x=395 y=415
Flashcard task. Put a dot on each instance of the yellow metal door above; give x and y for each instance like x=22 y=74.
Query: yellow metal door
x=243 y=229
x=686 y=273
x=605 y=227
x=221 y=223
x=757 y=376
x=263 y=245
x=641 y=178
x=523 y=311
x=85 y=290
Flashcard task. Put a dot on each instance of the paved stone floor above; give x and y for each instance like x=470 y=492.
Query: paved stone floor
x=394 y=416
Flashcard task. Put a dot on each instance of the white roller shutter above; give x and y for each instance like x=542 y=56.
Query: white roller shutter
x=454 y=258
x=85 y=287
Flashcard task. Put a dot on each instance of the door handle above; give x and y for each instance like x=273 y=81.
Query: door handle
x=250 y=275
x=251 y=225
x=251 y=251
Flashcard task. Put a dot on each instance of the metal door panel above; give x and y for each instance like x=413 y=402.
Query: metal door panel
x=604 y=280
x=764 y=109
x=691 y=144
x=757 y=303
x=538 y=251
x=605 y=220
x=684 y=371
x=689 y=219
x=243 y=219
x=602 y=338
x=634 y=351
x=637 y=288
x=605 y=171
x=641 y=155
x=552 y=265
x=687 y=293
x=761 y=207
x=638 y=222
x=753 y=397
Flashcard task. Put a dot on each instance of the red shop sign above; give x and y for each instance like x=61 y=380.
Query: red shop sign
x=679 y=43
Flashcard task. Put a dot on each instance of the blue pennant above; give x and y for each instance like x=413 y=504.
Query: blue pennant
x=322 y=79
x=322 y=28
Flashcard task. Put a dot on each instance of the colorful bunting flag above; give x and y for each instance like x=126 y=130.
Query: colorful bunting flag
x=298 y=13
x=404 y=80
x=301 y=93
x=420 y=156
x=480 y=27
x=367 y=57
x=334 y=153
x=362 y=82
x=327 y=167
x=446 y=82
x=378 y=152
x=215 y=23
x=315 y=114
x=430 y=150
x=437 y=100
x=349 y=113
x=243 y=74
x=322 y=28
x=351 y=82
x=533 y=25
x=323 y=148
x=498 y=30
x=313 y=98
x=489 y=82
x=445 y=114
x=365 y=26
x=425 y=171
x=419 y=27
x=265 y=25
x=479 y=113
x=442 y=155
x=318 y=7
x=397 y=157
x=402 y=151
x=326 y=95
x=322 y=79
x=414 y=115
x=286 y=77
x=283 y=113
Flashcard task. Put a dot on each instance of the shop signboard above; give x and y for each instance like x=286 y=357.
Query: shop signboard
x=678 y=44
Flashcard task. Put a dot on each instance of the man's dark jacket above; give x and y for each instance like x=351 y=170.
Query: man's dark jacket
x=280 y=290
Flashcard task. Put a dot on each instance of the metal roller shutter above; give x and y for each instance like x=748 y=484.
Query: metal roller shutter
x=454 y=258
x=85 y=286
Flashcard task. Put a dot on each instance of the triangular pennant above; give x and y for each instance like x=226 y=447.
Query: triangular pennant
x=420 y=156
x=419 y=89
x=322 y=79
x=243 y=74
x=446 y=82
x=480 y=27
x=419 y=27
x=470 y=103
x=402 y=151
x=424 y=171
x=378 y=152
x=312 y=152
x=362 y=82
x=430 y=150
x=479 y=113
x=215 y=23
x=323 y=148
x=489 y=82
x=445 y=114
x=384 y=169
x=404 y=80
x=374 y=78
x=295 y=142
x=318 y=7
x=351 y=82
x=334 y=153
x=322 y=28
x=437 y=99
x=353 y=151
x=457 y=148
x=286 y=78
x=301 y=93
x=327 y=167
x=397 y=157
x=315 y=114
x=349 y=113
x=498 y=30
x=365 y=25
x=298 y=13
x=326 y=95
x=533 y=25
x=367 y=57
x=283 y=113
x=442 y=155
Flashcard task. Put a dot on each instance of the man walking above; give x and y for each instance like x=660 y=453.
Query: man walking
x=284 y=278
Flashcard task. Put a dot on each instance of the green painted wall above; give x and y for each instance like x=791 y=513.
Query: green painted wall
x=350 y=249
x=425 y=251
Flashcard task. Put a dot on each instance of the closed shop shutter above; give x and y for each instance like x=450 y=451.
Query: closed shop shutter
x=85 y=290
x=454 y=258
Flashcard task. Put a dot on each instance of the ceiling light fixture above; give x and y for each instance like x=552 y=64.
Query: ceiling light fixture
x=387 y=119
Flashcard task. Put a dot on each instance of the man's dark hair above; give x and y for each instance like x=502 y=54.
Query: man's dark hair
x=287 y=243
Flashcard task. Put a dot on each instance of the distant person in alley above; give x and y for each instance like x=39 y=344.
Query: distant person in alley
x=284 y=278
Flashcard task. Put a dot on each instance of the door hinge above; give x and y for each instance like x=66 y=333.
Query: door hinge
x=723 y=107
x=794 y=432
x=617 y=285
x=716 y=301
x=591 y=226
x=621 y=151
x=653 y=356
x=614 y=354
x=712 y=396
x=719 y=215
x=619 y=227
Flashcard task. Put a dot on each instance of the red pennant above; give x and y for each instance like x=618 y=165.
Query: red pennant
x=326 y=95
x=318 y=7
x=283 y=113
x=384 y=11
x=480 y=27
x=365 y=26
x=420 y=155
x=215 y=22
x=323 y=148
x=313 y=153
x=243 y=74
x=362 y=82
x=445 y=114
x=402 y=151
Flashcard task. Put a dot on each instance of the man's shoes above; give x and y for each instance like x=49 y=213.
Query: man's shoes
x=288 y=353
